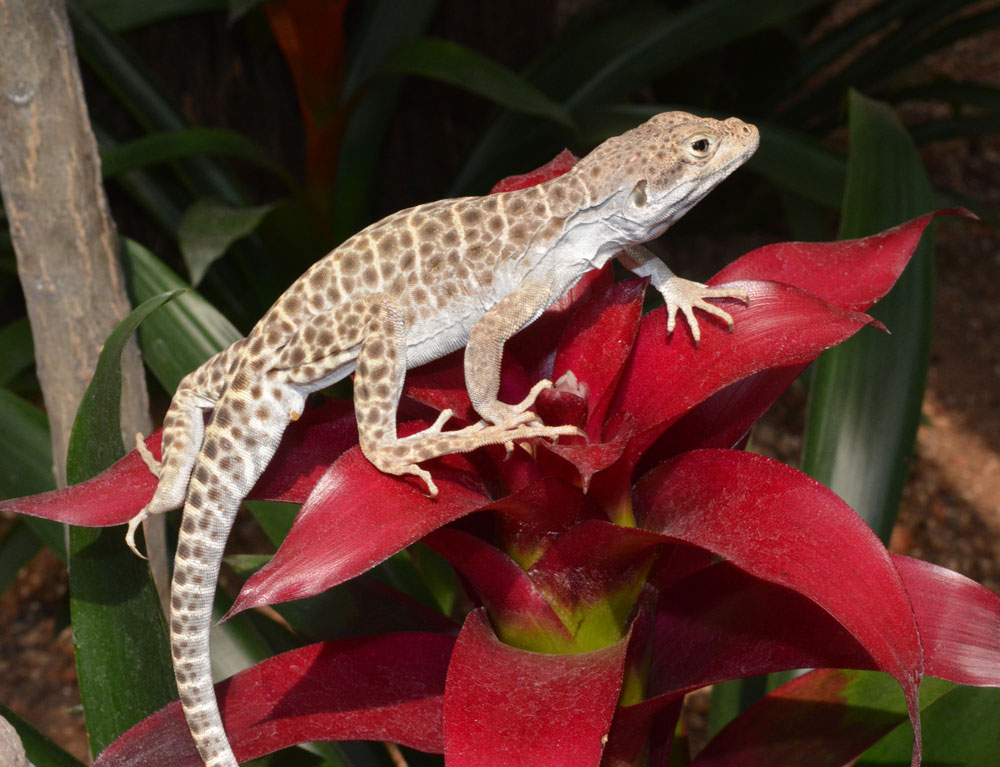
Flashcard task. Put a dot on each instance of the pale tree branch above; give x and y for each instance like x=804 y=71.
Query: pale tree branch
x=63 y=235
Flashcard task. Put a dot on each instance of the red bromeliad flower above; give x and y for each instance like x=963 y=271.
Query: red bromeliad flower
x=590 y=562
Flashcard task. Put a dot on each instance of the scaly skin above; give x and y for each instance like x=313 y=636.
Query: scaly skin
x=406 y=290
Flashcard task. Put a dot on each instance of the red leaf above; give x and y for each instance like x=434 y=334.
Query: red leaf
x=850 y=274
x=667 y=375
x=804 y=722
x=505 y=706
x=598 y=341
x=505 y=589
x=756 y=627
x=784 y=527
x=752 y=627
x=119 y=492
x=310 y=34
x=531 y=518
x=355 y=518
x=558 y=165
x=113 y=497
x=592 y=561
x=385 y=688
x=958 y=622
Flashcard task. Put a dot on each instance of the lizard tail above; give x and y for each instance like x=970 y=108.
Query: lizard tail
x=234 y=454
x=196 y=570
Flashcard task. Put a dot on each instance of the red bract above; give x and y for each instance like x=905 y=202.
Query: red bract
x=590 y=561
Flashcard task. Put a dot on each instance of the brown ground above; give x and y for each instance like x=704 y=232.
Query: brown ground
x=950 y=513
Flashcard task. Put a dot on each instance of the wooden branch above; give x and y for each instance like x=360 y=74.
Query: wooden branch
x=65 y=241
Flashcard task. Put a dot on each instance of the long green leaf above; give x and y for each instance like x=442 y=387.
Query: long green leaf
x=118 y=628
x=371 y=102
x=866 y=397
x=610 y=58
x=96 y=442
x=183 y=144
x=119 y=634
x=40 y=751
x=126 y=77
x=122 y=15
x=26 y=463
x=25 y=450
x=185 y=332
x=959 y=728
x=455 y=65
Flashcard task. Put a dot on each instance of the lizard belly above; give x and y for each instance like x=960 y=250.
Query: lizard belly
x=441 y=333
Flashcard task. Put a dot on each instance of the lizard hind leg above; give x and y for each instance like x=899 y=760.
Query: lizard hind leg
x=377 y=387
x=183 y=431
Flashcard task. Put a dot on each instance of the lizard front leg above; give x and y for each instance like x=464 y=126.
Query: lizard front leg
x=378 y=384
x=484 y=352
x=678 y=293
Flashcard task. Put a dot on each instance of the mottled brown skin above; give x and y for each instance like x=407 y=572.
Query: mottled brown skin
x=408 y=289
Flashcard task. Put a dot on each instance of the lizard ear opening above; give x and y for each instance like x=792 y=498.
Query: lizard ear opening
x=639 y=194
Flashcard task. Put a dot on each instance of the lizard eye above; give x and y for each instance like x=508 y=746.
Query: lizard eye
x=639 y=195
x=699 y=146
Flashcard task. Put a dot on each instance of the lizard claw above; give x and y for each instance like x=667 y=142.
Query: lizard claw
x=423 y=474
x=133 y=525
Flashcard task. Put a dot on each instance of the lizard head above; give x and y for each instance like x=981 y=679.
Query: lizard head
x=653 y=174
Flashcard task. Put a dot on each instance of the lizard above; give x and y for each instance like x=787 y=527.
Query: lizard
x=408 y=289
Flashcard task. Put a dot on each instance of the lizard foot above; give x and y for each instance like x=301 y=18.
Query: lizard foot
x=506 y=416
x=147 y=457
x=686 y=296
x=529 y=428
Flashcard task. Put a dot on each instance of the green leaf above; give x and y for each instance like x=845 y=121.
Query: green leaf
x=17 y=350
x=959 y=728
x=209 y=227
x=388 y=24
x=122 y=15
x=867 y=393
x=125 y=76
x=838 y=42
x=40 y=751
x=26 y=463
x=450 y=63
x=183 y=144
x=95 y=442
x=122 y=655
x=25 y=450
x=117 y=624
x=182 y=335
x=607 y=60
